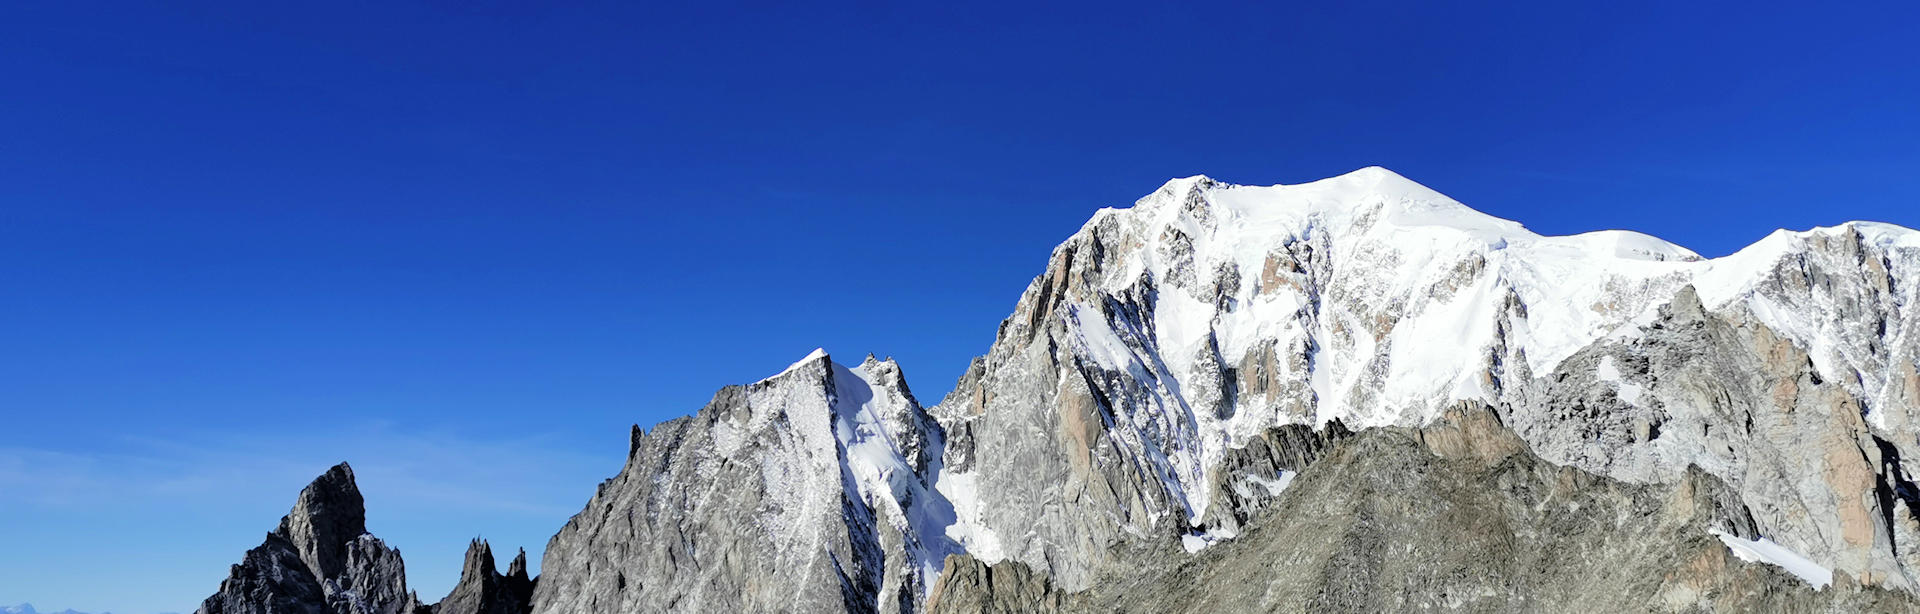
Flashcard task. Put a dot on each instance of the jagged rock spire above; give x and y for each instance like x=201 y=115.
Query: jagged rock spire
x=483 y=590
x=320 y=560
x=329 y=513
x=518 y=568
x=479 y=561
x=375 y=581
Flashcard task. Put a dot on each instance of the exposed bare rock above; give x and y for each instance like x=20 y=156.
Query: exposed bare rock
x=973 y=587
x=374 y=582
x=484 y=590
x=1250 y=478
x=808 y=491
x=325 y=530
x=329 y=514
x=1459 y=516
x=271 y=579
x=1728 y=393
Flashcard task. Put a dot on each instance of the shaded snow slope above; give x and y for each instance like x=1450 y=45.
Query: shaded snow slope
x=890 y=448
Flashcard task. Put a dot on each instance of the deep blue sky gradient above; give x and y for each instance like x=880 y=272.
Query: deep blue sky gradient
x=465 y=244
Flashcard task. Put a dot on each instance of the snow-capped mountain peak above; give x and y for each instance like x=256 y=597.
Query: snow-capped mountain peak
x=1208 y=313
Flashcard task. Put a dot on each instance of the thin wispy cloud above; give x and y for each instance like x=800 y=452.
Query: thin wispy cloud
x=403 y=468
x=208 y=496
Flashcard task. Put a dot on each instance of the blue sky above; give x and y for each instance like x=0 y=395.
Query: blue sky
x=465 y=244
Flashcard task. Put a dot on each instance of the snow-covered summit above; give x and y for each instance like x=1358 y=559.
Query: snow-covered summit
x=1207 y=313
x=817 y=355
x=1407 y=264
x=1369 y=195
x=1235 y=267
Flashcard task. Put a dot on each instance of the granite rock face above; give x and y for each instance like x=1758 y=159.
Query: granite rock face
x=329 y=514
x=321 y=560
x=484 y=590
x=374 y=581
x=271 y=579
x=1006 y=588
x=808 y=491
x=1730 y=395
x=1457 y=516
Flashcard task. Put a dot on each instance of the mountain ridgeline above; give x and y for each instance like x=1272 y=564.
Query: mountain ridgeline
x=1354 y=394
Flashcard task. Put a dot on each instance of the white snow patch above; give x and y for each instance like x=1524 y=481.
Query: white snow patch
x=1273 y=486
x=1764 y=550
x=1426 y=350
x=1252 y=486
x=883 y=475
x=1098 y=341
x=1195 y=542
x=969 y=529
x=1628 y=392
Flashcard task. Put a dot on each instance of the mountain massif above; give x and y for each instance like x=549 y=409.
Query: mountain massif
x=1354 y=394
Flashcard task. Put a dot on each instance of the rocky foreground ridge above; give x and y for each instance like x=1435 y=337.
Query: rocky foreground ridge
x=1349 y=395
x=322 y=560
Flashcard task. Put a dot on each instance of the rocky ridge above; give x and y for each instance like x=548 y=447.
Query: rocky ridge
x=322 y=560
x=1459 y=515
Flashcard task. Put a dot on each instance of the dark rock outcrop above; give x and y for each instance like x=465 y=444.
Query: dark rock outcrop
x=271 y=579
x=374 y=581
x=1246 y=480
x=970 y=586
x=484 y=590
x=329 y=514
x=321 y=560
